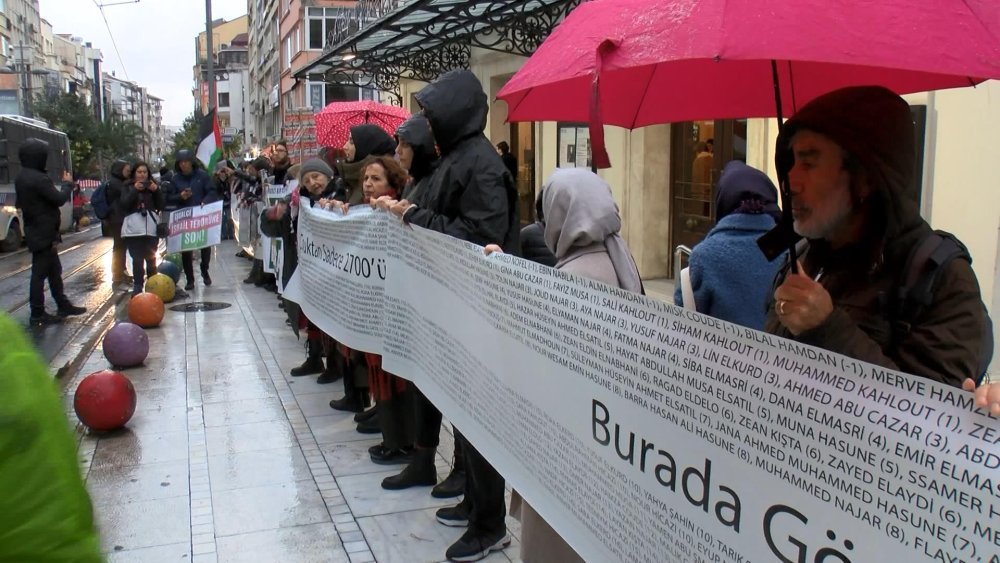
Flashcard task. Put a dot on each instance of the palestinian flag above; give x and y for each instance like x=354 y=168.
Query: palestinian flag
x=210 y=143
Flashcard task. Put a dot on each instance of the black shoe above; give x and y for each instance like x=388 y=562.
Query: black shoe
x=281 y=305
x=311 y=366
x=242 y=254
x=455 y=516
x=189 y=285
x=206 y=278
x=69 y=310
x=363 y=416
x=370 y=426
x=44 y=318
x=348 y=403
x=419 y=473
x=383 y=456
x=272 y=287
x=473 y=545
x=452 y=486
x=328 y=376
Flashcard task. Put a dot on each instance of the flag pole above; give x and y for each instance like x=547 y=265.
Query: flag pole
x=210 y=64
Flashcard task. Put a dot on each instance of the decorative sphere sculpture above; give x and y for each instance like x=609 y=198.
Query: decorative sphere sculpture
x=105 y=400
x=126 y=345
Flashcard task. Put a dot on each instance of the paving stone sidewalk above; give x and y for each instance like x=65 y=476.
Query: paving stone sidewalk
x=229 y=459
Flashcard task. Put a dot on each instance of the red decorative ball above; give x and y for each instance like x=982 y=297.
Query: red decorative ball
x=105 y=400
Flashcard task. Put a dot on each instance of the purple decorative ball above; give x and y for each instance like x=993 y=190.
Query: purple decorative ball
x=126 y=345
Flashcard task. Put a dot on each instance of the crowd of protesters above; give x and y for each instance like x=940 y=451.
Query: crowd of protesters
x=848 y=159
x=441 y=173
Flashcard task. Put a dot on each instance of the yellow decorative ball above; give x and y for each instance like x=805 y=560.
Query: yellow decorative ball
x=162 y=286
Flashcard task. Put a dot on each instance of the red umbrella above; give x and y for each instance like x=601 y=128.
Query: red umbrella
x=334 y=122
x=666 y=61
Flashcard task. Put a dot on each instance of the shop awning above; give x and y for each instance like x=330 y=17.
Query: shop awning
x=422 y=39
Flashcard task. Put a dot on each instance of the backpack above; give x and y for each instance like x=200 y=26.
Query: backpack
x=99 y=201
x=923 y=269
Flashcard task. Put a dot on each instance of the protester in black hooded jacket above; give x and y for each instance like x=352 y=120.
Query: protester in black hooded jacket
x=39 y=202
x=364 y=141
x=471 y=196
x=119 y=173
x=417 y=153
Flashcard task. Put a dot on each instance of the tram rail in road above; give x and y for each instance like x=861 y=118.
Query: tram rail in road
x=86 y=279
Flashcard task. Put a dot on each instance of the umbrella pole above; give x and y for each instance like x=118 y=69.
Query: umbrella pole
x=786 y=196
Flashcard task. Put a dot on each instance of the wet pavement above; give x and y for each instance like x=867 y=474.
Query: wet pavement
x=86 y=262
x=229 y=459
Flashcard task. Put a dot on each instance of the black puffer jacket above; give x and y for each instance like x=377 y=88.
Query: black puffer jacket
x=134 y=200
x=416 y=132
x=37 y=196
x=116 y=188
x=471 y=195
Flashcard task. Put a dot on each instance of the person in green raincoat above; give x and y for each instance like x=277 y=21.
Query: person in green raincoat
x=45 y=512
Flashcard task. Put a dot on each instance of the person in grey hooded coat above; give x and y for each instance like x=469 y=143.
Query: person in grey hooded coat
x=581 y=230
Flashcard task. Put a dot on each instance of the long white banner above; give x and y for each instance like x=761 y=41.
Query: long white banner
x=645 y=432
x=340 y=279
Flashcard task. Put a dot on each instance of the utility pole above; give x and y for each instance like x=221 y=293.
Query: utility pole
x=25 y=68
x=210 y=67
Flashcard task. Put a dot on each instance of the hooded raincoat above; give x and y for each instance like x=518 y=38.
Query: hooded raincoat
x=416 y=132
x=944 y=343
x=471 y=195
x=37 y=196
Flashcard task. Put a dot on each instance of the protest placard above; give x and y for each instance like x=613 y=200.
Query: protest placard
x=196 y=227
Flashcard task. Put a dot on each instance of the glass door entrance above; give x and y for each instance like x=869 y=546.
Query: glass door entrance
x=522 y=146
x=699 y=151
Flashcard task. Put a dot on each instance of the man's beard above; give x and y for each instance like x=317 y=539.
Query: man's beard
x=823 y=223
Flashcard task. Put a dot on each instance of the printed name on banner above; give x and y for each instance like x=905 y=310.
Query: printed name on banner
x=642 y=431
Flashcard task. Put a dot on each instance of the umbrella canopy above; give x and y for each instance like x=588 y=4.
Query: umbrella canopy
x=666 y=61
x=334 y=122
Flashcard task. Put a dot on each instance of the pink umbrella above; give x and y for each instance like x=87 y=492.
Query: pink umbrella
x=334 y=122
x=633 y=63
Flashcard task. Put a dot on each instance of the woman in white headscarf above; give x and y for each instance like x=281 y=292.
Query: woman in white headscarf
x=581 y=229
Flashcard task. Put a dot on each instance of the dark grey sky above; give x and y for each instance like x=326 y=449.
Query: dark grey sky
x=155 y=39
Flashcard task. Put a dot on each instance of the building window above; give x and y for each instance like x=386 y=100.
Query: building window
x=288 y=53
x=321 y=93
x=321 y=21
x=223 y=99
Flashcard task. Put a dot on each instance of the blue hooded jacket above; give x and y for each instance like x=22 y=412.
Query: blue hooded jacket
x=730 y=276
x=201 y=185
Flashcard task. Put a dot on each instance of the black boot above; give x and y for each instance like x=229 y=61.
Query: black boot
x=354 y=401
x=419 y=473
x=454 y=484
x=313 y=363
x=335 y=364
x=363 y=416
x=255 y=272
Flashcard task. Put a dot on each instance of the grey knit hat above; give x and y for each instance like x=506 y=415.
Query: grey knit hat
x=316 y=165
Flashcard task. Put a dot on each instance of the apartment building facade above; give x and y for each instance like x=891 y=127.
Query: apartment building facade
x=223 y=34
x=263 y=88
